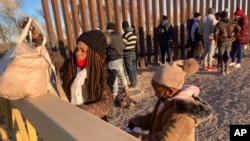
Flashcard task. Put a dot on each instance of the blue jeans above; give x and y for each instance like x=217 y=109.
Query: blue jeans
x=117 y=66
x=130 y=65
x=237 y=51
x=166 y=47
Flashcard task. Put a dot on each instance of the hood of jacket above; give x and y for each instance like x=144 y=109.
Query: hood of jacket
x=207 y=27
x=129 y=29
x=163 y=22
x=195 y=108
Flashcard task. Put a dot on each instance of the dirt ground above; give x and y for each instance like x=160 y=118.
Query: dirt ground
x=229 y=95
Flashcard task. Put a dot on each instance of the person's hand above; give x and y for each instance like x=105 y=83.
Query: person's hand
x=33 y=28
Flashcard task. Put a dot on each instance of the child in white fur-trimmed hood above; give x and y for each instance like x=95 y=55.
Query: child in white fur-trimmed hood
x=179 y=109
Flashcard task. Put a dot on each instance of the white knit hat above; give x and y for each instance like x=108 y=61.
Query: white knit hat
x=173 y=75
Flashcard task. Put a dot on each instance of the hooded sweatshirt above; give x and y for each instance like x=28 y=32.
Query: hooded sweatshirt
x=207 y=27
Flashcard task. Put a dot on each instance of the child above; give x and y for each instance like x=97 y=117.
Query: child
x=179 y=109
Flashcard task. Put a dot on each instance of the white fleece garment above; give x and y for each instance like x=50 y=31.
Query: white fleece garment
x=76 y=87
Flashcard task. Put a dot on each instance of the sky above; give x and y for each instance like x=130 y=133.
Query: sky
x=30 y=6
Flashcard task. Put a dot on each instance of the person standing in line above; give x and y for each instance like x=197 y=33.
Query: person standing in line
x=130 y=41
x=165 y=37
x=241 y=39
x=115 y=52
x=225 y=32
x=206 y=30
x=193 y=33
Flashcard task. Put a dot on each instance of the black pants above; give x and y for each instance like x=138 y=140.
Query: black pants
x=193 y=47
x=166 y=47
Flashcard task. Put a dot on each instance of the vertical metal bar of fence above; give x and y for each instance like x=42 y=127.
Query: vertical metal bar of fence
x=92 y=14
x=207 y=5
x=148 y=31
x=195 y=6
x=176 y=40
x=161 y=8
x=84 y=20
x=48 y=22
x=132 y=12
x=214 y=4
x=58 y=27
x=226 y=4
x=108 y=11
x=220 y=5
x=238 y=3
x=117 y=15
x=244 y=6
x=169 y=10
x=100 y=14
x=155 y=24
x=188 y=10
x=141 y=33
x=202 y=8
x=68 y=26
x=124 y=10
x=182 y=30
x=75 y=17
x=231 y=9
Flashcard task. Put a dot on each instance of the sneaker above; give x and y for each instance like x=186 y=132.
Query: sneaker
x=232 y=64
x=211 y=68
x=237 y=66
x=205 y=68
x=223 y=73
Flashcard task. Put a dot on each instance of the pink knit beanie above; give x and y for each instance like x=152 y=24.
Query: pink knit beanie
x=173 y=75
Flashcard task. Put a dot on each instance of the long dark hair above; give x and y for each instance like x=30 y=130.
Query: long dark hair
x=96 y=75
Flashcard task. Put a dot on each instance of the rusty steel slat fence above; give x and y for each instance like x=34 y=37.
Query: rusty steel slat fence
x=76 y=16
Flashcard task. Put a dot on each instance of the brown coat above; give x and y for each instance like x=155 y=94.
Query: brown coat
x=226 y=30
x=100 y=107
x=176 y=121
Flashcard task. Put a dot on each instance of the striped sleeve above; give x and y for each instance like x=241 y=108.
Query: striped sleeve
x=130 y=40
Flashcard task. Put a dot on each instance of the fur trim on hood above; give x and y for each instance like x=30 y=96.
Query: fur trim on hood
x=197 y=109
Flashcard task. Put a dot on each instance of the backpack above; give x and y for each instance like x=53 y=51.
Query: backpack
x=227 y=31
x=162 y=33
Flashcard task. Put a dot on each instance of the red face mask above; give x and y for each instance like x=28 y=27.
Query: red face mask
x=82 y=63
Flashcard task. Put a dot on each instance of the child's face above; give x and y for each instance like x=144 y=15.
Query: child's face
x=162 y=91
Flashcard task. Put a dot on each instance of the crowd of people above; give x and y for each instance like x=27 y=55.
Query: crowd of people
x=214 y=35
x=100 y=60
x=221 y=37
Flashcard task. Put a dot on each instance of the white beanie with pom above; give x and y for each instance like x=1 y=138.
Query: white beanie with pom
x=173 y=75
